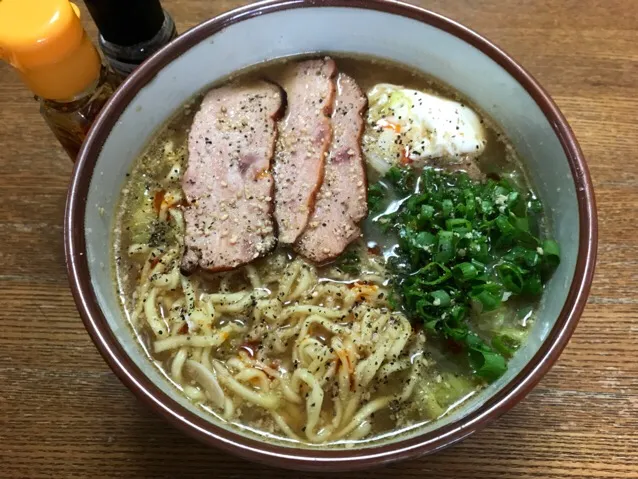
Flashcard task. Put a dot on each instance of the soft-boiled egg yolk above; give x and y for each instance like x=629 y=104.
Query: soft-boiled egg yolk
x=407 y=126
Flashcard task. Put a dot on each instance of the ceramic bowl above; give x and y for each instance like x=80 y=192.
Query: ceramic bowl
x=386 y=29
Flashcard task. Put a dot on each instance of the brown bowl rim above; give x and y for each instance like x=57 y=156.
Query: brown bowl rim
x=310 y=459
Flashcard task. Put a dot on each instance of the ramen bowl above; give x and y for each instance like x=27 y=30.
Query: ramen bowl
x=417 y=38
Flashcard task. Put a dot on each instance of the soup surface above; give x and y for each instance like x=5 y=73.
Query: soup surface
x=421 y=310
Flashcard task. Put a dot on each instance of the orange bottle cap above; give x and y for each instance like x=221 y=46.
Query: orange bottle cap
x=44 y=40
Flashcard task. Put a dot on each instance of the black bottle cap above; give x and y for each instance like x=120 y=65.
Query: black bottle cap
x=127 y=22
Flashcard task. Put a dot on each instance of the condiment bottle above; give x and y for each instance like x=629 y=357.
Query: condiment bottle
x=45 y=42
x=130 y=30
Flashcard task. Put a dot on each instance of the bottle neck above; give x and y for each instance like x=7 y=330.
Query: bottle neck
x=124 y=59
x=127 y=22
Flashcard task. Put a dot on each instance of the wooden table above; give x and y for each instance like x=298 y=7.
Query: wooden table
x=64 y=414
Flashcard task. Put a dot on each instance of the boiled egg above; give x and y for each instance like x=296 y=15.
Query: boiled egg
x=406 y=126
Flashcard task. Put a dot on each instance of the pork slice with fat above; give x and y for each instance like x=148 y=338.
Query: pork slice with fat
x=304 y=138
x=342 y=200
x=228 y=181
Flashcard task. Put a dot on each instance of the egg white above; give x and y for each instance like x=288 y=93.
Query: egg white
x=409 y=126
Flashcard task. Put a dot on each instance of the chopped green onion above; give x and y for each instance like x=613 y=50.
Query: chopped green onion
x=503 y=224
x=349 y=261
x=376 y=194
x=533 y=285
x=440 y=298
x=478 y=241
x=487 y=363
x=478 y=250
x=534 y=206
x=512 y=199
x=506 y=345
x=511 y=276
x=489 y=295
x=446 y=208
x=425 y=240
x=465 y=271
x=551 y=253
x=433 y=273
x=521 y=224
x=457 y=224
x=445 y=246
x=427 y=212
x=470 y=205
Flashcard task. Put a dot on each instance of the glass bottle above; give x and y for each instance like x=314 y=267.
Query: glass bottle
x=130 y=30
x=71 y=120
x=45 y=42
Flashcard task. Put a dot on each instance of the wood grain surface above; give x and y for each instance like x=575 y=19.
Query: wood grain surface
x=64 y=414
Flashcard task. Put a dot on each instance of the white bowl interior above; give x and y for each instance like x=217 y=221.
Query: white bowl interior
x=351 y=30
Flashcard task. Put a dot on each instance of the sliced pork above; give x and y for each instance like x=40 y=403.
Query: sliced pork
x=228 y=181
x=304 y=138
x=342 y=200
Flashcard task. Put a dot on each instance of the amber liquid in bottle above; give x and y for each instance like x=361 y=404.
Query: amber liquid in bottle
x=70 y=121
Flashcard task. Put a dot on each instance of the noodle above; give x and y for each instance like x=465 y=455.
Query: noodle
x=330 y=342
x=268 y=401
x=192 y=341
